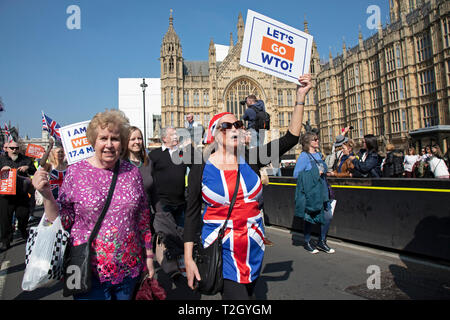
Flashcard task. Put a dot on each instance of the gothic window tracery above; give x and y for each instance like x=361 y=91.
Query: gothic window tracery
x=237 y=92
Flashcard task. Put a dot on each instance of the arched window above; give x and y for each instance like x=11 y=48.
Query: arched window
x=280 y=98
x=171 y=64
x=206 y=98
x=186 y=99
x=196 y=99
x=237 y=92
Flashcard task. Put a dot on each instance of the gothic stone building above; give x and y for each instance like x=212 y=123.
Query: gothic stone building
x=395 y=83
x=391 y=84
x=205 y=88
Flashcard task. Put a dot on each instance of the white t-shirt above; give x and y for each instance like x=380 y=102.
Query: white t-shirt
x=438 y=167
x=410 y=161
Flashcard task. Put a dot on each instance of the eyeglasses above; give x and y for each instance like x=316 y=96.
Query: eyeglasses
x=228 y=125
x=316 y=139
x=14 y=148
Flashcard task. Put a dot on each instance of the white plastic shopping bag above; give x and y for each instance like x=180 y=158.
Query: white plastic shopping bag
x=333 y=206
x=44 y=254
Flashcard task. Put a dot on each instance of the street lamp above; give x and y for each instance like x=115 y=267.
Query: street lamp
x=143 y=86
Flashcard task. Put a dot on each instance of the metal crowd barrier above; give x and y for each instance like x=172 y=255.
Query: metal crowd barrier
x=406 y=215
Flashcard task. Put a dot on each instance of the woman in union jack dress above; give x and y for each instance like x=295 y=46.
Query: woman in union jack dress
x=213 y=182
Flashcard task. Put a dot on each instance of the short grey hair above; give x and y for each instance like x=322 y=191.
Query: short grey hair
x=164 y=131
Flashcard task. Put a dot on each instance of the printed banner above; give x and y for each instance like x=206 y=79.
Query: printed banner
x=75 y=143
x=35 y=151
x=274 y=48
x=8 y=182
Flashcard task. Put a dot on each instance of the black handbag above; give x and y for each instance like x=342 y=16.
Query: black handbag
x=77 y=259
x=209 y=260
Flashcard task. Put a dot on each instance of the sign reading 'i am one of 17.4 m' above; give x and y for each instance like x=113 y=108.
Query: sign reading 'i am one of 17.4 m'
x=274 y=48
x=75 y=143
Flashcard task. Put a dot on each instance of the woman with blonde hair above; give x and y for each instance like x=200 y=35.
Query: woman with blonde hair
x=393 y=163
x=213 y=183
x=410 y=162
x=56 y=166
x=122 y=248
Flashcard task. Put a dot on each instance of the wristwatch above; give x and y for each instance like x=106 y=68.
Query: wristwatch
x=299 y=103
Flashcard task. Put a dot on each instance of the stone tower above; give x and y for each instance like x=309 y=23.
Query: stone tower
x=171 y=61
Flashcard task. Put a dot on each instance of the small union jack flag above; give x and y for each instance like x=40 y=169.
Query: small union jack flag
x=56 y=179
x=7 y=134
x=51 y=126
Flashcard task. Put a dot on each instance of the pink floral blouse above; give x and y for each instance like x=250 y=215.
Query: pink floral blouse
x=125 y=231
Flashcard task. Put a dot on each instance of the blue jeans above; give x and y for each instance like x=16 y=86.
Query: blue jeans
x=109 y=291
x=257 y=137
x=323 y=227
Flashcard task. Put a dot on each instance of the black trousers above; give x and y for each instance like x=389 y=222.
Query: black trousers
x=237 y=291
x=177 y=211
x=9 y=205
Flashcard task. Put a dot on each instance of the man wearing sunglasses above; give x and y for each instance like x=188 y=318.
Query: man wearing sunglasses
x=19 y=203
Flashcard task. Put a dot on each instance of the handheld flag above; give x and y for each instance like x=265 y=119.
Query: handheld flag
x=7 y=134
x=51 y=126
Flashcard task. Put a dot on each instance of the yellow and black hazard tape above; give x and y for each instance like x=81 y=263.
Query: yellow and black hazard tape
x=369 y=187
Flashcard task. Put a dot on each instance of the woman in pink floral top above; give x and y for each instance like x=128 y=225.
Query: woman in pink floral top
x=123 y=247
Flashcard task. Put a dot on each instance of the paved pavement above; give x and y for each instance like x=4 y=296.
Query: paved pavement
x=288 y=273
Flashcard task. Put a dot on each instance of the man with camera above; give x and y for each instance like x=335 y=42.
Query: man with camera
x=254 y=115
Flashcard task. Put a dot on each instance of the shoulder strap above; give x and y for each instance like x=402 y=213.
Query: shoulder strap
x=233 y=201
x=108 y=201
x=434 y=171
x=309 y=154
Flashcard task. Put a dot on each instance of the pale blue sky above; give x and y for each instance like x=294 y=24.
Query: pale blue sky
x=73 y=74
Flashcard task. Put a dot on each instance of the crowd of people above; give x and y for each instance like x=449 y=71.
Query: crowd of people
x=368 y=162
x=157 y=216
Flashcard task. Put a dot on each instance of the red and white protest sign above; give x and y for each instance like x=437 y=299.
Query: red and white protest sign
x=8 y=182
x=34 y=151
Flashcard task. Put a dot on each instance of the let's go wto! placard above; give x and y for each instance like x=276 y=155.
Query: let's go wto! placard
x=75 y=143
x=275 y=48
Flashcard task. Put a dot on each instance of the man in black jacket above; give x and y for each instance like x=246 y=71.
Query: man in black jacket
x=250 y=115
x=19 y=203
x=169 y=175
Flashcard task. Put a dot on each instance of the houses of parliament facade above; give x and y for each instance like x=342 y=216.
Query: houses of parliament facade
x=391 y=85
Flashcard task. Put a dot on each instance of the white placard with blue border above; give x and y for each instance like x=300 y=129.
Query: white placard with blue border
x=275 y=48
x=75 y=143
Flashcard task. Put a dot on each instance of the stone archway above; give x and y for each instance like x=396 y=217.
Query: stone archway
x=237 y=91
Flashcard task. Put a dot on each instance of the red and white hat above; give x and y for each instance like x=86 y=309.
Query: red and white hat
x=209 y=138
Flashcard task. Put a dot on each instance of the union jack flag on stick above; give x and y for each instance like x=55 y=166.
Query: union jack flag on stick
x=51 y=126
x=7 y=134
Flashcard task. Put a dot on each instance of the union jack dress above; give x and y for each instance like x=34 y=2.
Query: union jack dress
x=243 y=242
x=56 y=180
